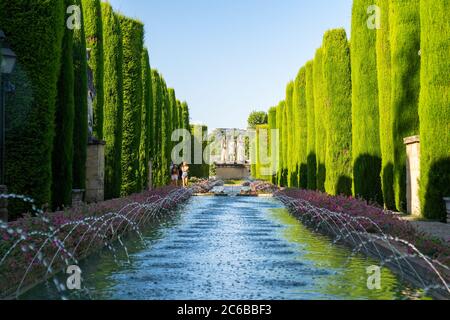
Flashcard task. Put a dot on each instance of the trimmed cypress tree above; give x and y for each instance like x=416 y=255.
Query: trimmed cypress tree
x=404 y=21
x=434 y=108
x=365 y=113
x=94 y=40
x=156 y=128
x=80 y=126
x=133 y=39
x=147 y=109
x=319 y=111
x=280 y=146
x=166 y=135
x=272 y=121
x=173 y=115
x=262 y=145
x=185 y=115
x=301 y=124
x=311 y=143
x=291 y=137
x=282 y=180
x=179 y=115
x=198 y=170
x=64 y=117
x=338 y=86
x=34 y=30
x=385 y=106
x=113 y=101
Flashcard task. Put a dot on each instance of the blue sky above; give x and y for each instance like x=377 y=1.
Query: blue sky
x=229 y=57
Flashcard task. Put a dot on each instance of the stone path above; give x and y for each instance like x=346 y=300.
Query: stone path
x=434 y=229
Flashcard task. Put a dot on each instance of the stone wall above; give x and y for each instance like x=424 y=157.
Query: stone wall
x=413 y=174
x=95 y=172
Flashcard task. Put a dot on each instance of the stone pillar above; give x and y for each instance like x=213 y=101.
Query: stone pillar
x=95 y=172
x=3 y=205
x=413 y=174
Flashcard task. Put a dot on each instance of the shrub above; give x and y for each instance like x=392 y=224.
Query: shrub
x=80 y=125
x=404 y=21
x=272 y=121
x=365 y=123
x=338 y=86
x=93 y=26
x=319 y=111
x=36 y=38
x=301 y=128
x=64 y=117
x=311 y=132
x=147 y=109
x=291 y=136
x=434 y=108
x=133 y=39
x=156 y=128
x=199 y=168
x=113 y=101
x=385 y=106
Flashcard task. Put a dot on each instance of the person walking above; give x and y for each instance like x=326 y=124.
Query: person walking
x=174 y=175
x=185 y=175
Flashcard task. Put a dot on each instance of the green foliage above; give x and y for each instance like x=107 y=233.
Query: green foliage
x=319 y=110
x=282 y=172
x=185 y=115
x=291 y=136
x=434 y=107
x=301 y=129
x=262 y=152
x=272 y=122
x=384 y=94
x=199 y=168
x=365 y=123
x=80 y=125
x=338 y=86
x=94 y=40
x=34 y=30
x=113 y=101
x=146 y=129
x=133 y=39
x=64 y=117
x=156 y=128
x=404 y=19
x=311 y=143
x=257 y=118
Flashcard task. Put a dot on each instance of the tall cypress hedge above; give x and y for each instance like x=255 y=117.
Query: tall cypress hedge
x=365 y=123
x=113 y=101
x=147 y=109
x=198 y=170
x=34 y=30
x=156 y=128
x=434 y=107
x=94 y=40
x=64 y=117
x=80 y=126
x=284 y=162
x=338 y=86
x=185 y=115
x=272 y=121
x=173 y=114
x=319 y=111
x=385 y=105
x=311 y=143
x=301 y=121
x=166 y=134
x=133 y=39
x=280 y=146
x=262 y=151
x=291 y=137
x=404 y=22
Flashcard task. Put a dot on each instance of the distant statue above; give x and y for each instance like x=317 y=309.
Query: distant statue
x=240 y=150
x=90 y=97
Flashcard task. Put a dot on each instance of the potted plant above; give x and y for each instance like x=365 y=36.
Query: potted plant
x=447 y=205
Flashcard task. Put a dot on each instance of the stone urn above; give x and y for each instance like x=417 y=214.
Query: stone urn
x=447 y=205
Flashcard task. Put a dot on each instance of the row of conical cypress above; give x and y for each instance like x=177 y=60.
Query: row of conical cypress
x=47 y=127
x=342 y=125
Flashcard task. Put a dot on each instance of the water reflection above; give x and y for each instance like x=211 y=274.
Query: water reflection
x=231 y=248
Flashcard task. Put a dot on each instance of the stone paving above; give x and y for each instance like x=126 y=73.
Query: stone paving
x=435 y=229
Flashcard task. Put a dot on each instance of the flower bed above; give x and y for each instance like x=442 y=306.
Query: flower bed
x=388 y=222
x=34 y=248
